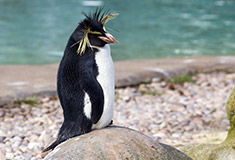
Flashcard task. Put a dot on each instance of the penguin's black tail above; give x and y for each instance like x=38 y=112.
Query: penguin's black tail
x=53 y=145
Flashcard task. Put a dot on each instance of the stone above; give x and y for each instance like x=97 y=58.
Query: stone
x=222 y=151
x=9 y=155
x=2 y=112
x=2 y=138
x=2 y=157
x=114 y=142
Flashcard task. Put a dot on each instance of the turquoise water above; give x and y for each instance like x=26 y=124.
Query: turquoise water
x=36 y=32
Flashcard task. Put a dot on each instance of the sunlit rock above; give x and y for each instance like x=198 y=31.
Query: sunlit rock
x=114 y=143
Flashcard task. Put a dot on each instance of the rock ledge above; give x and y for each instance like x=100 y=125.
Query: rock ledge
x=114 y=143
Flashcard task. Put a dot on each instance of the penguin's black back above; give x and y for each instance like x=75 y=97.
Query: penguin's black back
x=77 y=76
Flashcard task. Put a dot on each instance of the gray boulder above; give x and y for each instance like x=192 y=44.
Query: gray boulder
x=114 y=142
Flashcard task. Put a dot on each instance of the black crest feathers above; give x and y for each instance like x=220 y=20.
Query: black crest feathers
x=98 y=15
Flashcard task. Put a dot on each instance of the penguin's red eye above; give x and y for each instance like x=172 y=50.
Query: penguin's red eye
x=92 y=35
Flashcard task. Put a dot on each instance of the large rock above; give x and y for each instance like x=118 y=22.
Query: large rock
x=114 y=143
x=223 y=151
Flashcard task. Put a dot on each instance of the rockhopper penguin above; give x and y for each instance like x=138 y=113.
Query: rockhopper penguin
x=85 y=80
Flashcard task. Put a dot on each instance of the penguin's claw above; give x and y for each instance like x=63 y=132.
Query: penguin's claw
x=111 y=122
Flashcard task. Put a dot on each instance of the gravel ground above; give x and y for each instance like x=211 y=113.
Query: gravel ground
x=169 y=113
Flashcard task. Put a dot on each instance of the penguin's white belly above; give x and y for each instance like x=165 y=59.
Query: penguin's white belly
x=106 y=80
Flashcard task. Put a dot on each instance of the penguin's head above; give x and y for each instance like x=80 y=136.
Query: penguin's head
x=91 y=31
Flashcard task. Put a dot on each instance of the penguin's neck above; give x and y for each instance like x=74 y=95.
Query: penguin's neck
x=103 y=58
x=105 y=64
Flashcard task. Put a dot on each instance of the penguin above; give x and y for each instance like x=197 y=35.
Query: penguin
x=85 y=78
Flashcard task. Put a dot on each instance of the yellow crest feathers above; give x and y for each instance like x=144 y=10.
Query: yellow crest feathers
x=84 y=42
x=108 y=17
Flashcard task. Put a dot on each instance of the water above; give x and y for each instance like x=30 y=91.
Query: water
x=36 y=32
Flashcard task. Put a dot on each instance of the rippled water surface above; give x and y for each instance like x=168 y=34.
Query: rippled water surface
x=36 y=32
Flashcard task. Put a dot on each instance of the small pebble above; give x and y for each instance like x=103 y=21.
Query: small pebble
x=9 y=155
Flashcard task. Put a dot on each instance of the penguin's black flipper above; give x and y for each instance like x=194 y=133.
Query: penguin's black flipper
x=91 y=86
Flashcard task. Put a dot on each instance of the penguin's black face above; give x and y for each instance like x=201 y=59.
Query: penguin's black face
x=96 y=41
x=96 y=31
x=97 y=34
x=91 y=31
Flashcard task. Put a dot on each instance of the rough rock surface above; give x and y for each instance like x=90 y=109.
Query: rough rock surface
x=114 y=143
x=223 y=151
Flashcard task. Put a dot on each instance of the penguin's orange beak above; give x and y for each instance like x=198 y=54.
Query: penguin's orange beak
x=108 y=38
